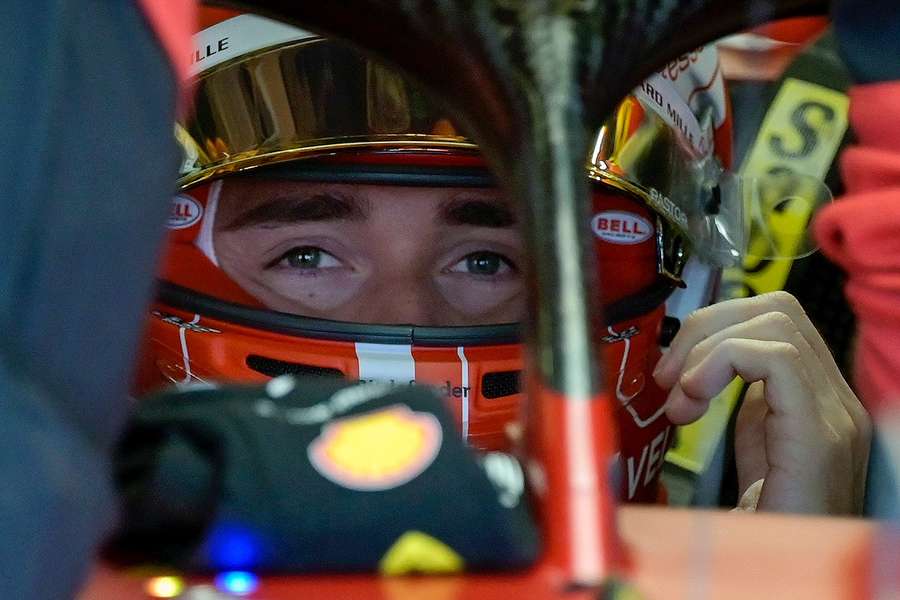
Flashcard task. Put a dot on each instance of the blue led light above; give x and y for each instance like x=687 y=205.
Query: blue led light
x=233 y=547
x=239 y=583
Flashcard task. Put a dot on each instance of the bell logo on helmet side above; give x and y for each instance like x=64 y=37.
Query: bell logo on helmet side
x=185 y=212
x=619 y=227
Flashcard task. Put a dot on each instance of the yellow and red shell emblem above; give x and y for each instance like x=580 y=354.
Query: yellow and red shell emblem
x=379 y=450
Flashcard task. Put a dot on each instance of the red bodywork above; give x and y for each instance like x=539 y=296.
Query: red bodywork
x=674 y=554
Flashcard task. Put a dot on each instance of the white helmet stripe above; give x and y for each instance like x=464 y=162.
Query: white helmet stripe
x=238 y=36
x=204 y=240
x=464 y=399
x=386 y=362
x=661 y=96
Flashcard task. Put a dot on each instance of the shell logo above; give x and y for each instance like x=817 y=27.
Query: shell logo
x=378 y=450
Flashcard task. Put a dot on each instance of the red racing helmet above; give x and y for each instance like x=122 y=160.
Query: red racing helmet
x=276 y=102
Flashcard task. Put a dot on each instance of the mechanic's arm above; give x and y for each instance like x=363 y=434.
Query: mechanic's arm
x=801 y=428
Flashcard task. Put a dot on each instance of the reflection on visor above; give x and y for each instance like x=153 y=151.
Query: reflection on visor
x=299 y=99
x=762 y=217
x=724 y=217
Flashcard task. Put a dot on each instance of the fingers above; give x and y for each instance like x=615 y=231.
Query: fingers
x=779 y=364
x=793 y=433
x=776 y=315
x=690 y=395
x=750 y=497
x=774 y=327
x=708 y=321
x=801 y=427
x=750 y=455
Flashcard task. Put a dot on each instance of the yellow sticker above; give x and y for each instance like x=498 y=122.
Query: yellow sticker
x=802 y=130
x=417 y=552
x=801 y=133
x=378 y=450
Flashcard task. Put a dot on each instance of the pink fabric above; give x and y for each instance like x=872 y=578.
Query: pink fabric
x=861 y=232
x=174 y=22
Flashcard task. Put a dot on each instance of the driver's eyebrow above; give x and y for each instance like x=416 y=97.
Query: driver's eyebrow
x=296 y=208
x=477 y=211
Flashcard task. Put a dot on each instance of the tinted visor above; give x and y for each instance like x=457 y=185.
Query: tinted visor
x=305 y=98
x=725 y=217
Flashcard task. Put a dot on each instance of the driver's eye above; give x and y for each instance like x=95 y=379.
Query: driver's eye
x=304 y=258
x=307 y=257
x=483 y=263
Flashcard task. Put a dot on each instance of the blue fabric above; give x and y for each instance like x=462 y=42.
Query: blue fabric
x=87 y=163
x=882 y=484
x=54 y=501
x=868 y=36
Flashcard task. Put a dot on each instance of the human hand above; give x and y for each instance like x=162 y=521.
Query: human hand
x=801 y=427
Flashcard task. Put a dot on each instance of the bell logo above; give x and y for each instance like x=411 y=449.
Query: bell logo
x=378 y=450
x=619 y=227
x=185 y=212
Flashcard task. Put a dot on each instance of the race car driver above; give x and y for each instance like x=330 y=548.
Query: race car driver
x=331 y=222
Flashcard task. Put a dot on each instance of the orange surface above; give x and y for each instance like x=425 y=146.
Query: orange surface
x=675 y=554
